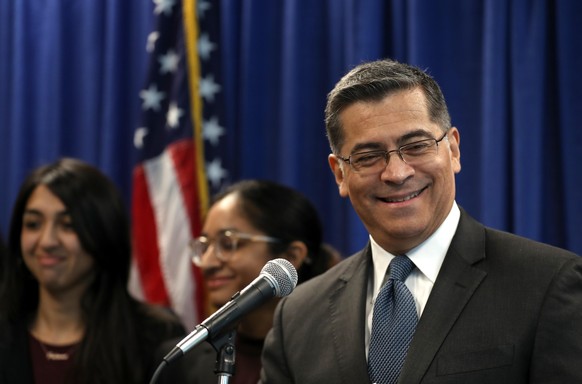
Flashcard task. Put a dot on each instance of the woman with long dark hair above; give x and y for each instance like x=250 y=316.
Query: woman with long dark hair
x=66 y=314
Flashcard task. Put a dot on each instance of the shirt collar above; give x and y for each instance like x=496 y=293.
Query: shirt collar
x=427 y=257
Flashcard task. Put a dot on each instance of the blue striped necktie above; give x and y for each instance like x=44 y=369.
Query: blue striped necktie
x=393 y=324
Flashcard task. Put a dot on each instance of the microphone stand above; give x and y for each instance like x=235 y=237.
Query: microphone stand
x=225 y=356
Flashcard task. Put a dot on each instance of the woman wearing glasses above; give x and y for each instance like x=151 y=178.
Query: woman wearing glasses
x=247 y=225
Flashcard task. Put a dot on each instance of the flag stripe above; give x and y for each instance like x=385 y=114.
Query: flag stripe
x=174 y=229
x=185 y=165
x=145 y=243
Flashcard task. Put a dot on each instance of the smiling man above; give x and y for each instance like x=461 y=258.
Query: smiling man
x=434 y=297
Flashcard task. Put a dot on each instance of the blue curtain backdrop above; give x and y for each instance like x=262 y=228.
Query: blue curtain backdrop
x=71 y=71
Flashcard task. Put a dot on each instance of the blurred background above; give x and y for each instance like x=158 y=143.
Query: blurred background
x=113 y=82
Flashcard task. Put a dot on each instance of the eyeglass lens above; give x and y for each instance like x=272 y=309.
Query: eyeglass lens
x=224 y=246
x=415 y=153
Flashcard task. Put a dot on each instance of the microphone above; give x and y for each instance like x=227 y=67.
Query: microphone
x=277 y=278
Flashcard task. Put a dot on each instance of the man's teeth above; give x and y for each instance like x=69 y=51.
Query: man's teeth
x=404 y=198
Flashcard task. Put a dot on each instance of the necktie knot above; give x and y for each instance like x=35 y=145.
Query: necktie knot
x=400 y=268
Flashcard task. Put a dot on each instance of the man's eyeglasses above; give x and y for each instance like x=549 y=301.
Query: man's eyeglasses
x=416 y=153
x=225 y=244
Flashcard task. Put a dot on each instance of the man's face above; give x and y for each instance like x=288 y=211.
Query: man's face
x=401 y=205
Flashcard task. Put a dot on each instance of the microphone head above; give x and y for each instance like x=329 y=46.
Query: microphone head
x=282 y=274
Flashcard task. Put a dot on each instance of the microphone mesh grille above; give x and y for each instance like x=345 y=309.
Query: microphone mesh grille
x=284 y=274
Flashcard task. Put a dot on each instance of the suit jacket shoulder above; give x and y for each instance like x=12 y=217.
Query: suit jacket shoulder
x=322 y=324
x=332 y=279
x=503 y=309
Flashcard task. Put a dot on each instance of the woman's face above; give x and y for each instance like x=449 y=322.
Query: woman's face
x=50 y=247
x=223 y=278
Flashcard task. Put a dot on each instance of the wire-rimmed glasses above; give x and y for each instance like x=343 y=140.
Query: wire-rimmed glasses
x=225 y=244
x=416 y=153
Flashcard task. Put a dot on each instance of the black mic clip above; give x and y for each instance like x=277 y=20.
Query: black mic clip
x=225 y=353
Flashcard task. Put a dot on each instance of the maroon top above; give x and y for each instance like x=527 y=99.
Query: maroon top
x=248 y=360
x=50 y=363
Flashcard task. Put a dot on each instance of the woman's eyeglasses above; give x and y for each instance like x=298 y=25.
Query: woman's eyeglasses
x=225 y=244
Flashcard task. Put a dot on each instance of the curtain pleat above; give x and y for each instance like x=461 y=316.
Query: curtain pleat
x=71 y=72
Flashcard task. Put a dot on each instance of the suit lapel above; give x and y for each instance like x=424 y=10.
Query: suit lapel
x=347 y=308
x=457 y=281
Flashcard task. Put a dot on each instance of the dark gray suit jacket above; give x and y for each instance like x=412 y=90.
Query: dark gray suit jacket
x=503 y=310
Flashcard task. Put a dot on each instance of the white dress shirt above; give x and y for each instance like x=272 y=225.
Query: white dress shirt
x=427 y=258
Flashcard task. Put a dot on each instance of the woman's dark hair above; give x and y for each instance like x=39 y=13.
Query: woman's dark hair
x=111 y=350
x=284 y=213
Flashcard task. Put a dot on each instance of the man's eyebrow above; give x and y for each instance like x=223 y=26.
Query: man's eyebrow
x=370 y=146
x=419 y=134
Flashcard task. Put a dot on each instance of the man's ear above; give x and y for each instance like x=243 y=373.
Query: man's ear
x=455 y=143
x=337 y=169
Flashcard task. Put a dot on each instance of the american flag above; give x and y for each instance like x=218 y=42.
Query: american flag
x=182 y=127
